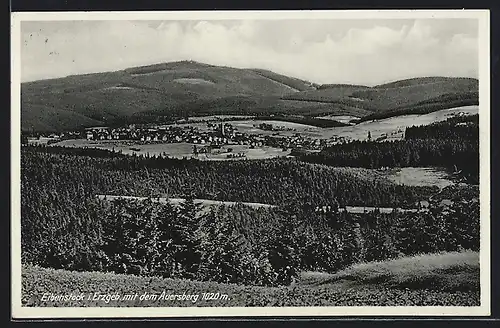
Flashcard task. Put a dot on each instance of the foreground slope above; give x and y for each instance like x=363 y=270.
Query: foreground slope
x=448 y=279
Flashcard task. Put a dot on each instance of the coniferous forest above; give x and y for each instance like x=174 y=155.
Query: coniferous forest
x=65 y=226
x=273 y=181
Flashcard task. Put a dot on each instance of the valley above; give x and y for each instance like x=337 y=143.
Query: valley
x=257 y=139
x=277 y=191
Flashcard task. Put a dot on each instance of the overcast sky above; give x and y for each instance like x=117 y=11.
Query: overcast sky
x=322 y=51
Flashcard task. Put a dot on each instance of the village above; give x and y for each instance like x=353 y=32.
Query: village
x=213 y=136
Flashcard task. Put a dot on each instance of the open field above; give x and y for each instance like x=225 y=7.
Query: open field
x=175 y=150
x=419 y=176
x=392 y=127
x=339 y=118
x=454 y=277
x=410 y=176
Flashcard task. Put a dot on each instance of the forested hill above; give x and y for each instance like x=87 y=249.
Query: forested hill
x=187 y=88
x=175 y=88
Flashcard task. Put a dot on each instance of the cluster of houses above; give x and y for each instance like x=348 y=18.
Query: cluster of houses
x=216 y=136
x=236 y=155
x=302 y=142
x=47 y=139
x=338 y=139
x=271 y=127
x=420 y=206
x=166 y=134
x=216 y=149
x=296 y=141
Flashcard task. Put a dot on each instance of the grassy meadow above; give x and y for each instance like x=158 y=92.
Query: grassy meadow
x=452 y=271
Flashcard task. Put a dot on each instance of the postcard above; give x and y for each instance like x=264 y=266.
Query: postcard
x=250 y=164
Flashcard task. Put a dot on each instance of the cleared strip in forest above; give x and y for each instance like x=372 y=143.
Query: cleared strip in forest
x=209 y=202
x=175 y=201
x=277 y=81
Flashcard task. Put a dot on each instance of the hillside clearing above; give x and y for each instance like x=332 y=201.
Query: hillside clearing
x=193 y=81
x=390 y=128
x=293 y=83
x=419 y=176
x=453 y=271
x=339 y=118
x=393 y=127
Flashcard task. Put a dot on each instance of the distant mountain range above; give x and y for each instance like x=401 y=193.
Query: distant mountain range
x=187 y=88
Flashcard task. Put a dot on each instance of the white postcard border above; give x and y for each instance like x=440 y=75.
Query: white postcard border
x=20 y=312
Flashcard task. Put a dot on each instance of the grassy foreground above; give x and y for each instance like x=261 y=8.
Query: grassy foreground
x=450 y=272
x=448 y=279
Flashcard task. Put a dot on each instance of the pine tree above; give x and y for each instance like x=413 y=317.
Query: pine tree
x=223 y=255
x=284 y=254
x=166 y=264
x=186 y=240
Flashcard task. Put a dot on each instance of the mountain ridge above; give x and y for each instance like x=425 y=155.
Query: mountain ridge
x=187 y=88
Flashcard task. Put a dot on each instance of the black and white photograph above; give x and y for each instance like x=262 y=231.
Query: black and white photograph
x=306 y=163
